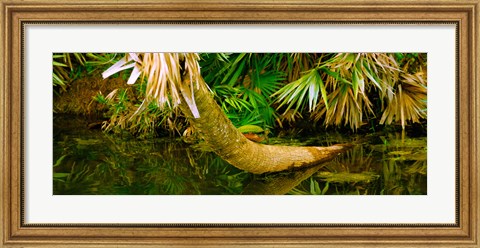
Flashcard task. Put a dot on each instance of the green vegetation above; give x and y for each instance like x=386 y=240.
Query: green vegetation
x=274 y=91
x=135 y=97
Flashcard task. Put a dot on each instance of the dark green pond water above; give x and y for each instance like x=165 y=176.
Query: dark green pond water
x=91 y=162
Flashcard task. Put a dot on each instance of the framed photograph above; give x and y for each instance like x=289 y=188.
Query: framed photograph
x=263 y=124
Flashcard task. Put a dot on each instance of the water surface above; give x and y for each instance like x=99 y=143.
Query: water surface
x=90 y=162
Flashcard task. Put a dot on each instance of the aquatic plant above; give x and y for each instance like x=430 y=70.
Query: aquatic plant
x=396 y=167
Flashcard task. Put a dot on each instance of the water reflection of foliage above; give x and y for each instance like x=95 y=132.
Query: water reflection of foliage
x=401 y=170
x=91 y=162
x=74 y=181
x=399 y=180
x=116 y=166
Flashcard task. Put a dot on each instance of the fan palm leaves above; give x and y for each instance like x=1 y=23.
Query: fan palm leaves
x=248 y=79
x=338 y=89
x=409 y=101
x=306 y=88
x=334 y=88
x=345 y=108
x=349 y=78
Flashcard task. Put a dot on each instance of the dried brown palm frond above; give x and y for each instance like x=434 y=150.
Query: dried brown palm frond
x=298 y=63
x=409 y=102
x=361 y=70
x=344 y=108
x=348 y=77
x=171 y=77
x=342 y=81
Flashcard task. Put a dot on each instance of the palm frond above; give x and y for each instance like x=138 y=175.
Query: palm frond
x=409 y=101
x=307 y=87
x=164 y=73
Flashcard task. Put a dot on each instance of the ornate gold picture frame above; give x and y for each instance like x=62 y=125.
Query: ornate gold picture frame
x=16 y=233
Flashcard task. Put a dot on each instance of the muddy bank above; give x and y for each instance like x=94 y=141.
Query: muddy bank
x=78 y=99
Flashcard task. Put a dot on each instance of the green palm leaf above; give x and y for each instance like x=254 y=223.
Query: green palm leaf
x=309 y=86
